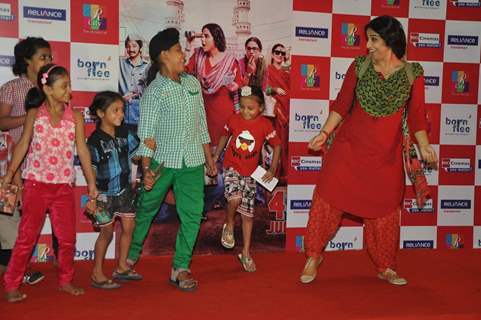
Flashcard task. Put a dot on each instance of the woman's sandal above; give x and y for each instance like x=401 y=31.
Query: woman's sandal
x=187 y=284
x=392 y=277
x=127 y=275
x=309 y=273
x=247 y=263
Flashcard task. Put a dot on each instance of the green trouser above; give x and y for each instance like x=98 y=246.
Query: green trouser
x=189 y=195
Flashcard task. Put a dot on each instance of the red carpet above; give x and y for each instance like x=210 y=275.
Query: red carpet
x=442 y=285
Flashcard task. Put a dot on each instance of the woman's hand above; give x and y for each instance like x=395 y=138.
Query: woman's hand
x=251 y=65
x=280 y=91
x=233 y=86
x=318 y=141
x=429 y=155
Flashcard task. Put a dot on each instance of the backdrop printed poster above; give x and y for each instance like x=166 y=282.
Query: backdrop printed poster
x=239 y=20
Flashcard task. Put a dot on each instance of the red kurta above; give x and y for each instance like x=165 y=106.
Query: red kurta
x=362 y=173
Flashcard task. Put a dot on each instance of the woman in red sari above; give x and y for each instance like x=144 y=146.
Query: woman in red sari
x=219 y=75
x=278 y=81
x=363 y=171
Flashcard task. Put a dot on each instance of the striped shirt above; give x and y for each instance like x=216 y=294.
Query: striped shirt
x=173 y=113
x=13 y=93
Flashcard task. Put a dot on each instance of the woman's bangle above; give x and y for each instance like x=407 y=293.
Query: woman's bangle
x=325 y=132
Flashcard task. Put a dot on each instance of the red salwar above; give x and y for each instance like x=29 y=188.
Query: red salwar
x=37 y=198
x=381 y=234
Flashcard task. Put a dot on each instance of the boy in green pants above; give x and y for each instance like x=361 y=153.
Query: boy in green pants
x=172 y=112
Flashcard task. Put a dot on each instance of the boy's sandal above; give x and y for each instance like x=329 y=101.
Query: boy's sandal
x=247 y=263
x=392 y=277
x=106 y=285
x=188 y=284
x=227 y=239
x=126 y=275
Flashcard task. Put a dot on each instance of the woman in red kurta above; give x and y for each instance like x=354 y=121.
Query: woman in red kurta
x=278 y=81
x=363 y=172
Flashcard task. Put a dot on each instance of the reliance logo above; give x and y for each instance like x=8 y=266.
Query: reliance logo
x=456 y=204
x=418 y=244
x=300 y=204
x=461 y=40
x=431 y=81
x=311 y=32
x=6 y=61
x=6 y=12
x=44 y=13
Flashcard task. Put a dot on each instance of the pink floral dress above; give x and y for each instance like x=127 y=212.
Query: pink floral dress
x=51 y=154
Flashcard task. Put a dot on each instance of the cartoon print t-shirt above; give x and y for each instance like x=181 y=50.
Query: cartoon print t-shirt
x=245 y=145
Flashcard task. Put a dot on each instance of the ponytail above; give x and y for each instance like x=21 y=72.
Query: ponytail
x=153 y=70
x=34 y=99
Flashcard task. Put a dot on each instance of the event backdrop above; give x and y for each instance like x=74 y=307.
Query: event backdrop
x=325 y=36
x=444 y=36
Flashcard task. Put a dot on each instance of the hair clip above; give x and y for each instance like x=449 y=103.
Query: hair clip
x=45 y=74
x=44 y=78
x=246 y=91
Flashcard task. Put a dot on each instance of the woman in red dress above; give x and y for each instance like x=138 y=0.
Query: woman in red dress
x=363 y=172
x=278 y=81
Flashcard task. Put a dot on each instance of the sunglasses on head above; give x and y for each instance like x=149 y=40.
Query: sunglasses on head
x=280 y=53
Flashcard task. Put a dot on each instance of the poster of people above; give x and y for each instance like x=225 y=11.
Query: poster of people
x=257 y=53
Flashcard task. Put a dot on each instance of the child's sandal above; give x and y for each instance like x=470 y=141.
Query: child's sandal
x=247 y=263
x=188 y=284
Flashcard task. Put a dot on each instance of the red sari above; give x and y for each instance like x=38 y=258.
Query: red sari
x=279 y=78
x=362 y=173
x=219 y=105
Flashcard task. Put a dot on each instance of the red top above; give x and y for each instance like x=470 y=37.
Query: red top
x=219 y=106
x=362 y=173
x=245 y=145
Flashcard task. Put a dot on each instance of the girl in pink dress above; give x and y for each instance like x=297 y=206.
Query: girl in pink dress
x=51 y=132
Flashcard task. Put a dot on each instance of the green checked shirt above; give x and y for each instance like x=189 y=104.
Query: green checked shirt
x=173 y=113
